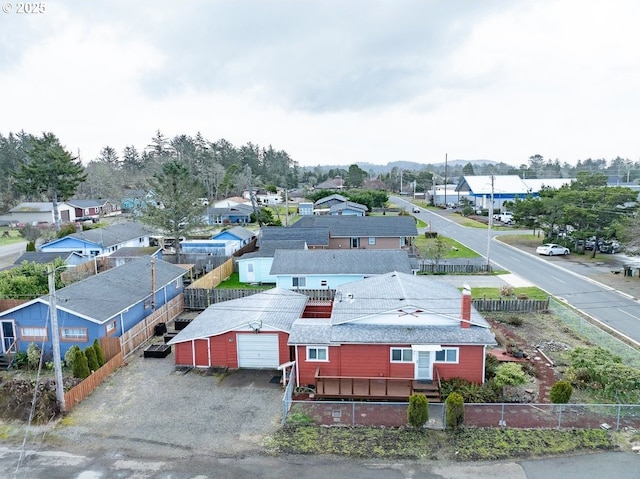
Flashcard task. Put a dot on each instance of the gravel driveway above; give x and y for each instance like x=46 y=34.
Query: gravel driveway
x=150 y=406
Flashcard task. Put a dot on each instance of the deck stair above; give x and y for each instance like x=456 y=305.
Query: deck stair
x=429 y=388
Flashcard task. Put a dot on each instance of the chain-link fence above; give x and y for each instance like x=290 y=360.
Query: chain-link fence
x=354 y=413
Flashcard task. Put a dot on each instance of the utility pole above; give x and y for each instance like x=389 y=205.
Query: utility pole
x=445 y=180
x=55 y=338
x=489 y=228
x=286 y=202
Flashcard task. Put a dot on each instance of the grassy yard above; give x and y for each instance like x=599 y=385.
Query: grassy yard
x=233 y=282
x=10 y=236
x=472 y=444
x=455 y=249
x=531 y=292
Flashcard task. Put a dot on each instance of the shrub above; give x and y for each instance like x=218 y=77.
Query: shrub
x=20 y=359
x=491 y=364
x=70 y=355
x=418 y=410
x=507 y=290
x=510 y=374
x=31 y=246
x=455 y=411
x=514 y=320
x=80 y=365
x=92 y=359
x=99 y=354
x=33 y=356
x=561 y=392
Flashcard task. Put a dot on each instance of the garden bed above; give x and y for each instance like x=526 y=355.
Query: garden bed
x=157 y=351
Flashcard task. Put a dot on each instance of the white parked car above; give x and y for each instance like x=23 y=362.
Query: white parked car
x=551 y=249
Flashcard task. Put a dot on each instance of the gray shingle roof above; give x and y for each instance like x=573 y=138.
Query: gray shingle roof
x=240 y=232
x=312 y=236
x=394 y=308
x=86 y=203
x=42 y=258
x=268 y=248
x=115 y=234
x=277 y=308
x=348 y=205
x=361 y=226
x=355 y=261
x=105 y=295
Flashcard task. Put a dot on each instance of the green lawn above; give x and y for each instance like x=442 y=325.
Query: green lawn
x=456 y=250
x=10 y=236
x=530 y=292
x=234 y=283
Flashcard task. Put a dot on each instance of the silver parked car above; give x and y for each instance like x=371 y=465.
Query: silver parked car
x=551 y=249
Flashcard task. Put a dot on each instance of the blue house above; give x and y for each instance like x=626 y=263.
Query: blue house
x=242 y=235
x=108 y=304
x=101 y=241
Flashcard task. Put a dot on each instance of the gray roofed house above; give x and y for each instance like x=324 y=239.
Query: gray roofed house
x=356 y=262
x=315 y=237
x=101 y=241
x=107 y=304
x=70 y=259
x=363 y=232
x=255 y=267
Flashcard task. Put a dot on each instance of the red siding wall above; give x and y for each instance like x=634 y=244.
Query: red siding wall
x=375 y=361
x=470 y=365
x=183 y=354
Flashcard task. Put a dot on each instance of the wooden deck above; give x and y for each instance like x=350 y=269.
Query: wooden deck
x=398 y=389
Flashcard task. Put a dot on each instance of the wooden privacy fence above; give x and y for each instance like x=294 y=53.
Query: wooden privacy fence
x=511 y=305
x=142 y=331
x=111 y=349
x=214 y=277
x=200 y=299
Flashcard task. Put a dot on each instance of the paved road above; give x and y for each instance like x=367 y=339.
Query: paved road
x=9 y=253
x=610 y=307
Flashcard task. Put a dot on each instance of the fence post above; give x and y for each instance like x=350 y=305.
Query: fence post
x=618 y=418
x=353 y=414
x=559 y=416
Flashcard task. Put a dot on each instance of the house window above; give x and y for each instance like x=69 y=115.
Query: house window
x=299 y=281
x=323 y=283
x=317 y=353
x=74 y=334
x=447 y=355
x=401 y=355
x=250 y=268
x=33 y=334
x=355 y=242
x=372 y=240
x=111 y=328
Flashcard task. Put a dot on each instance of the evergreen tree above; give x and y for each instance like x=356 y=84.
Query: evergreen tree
x=418 y=410
x=92 y=359
x=99 y=353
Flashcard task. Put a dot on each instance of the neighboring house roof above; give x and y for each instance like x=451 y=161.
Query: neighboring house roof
x=354 y=261
x=394 y=308
x=374 y=184
x=536 y=184
x=44 y=258
x=230 y=210
x=237 y=231
x=360 y=226
x=112 y=235
x=101 y=297
x=348 y=205
x=232 y=201
x=132 y=252
x=34 y=207
x=312 y=236
x=268 y=248
x=276 y=308
x=331 y=198
x=331 y=184
x=86 y=203
x=498 y=185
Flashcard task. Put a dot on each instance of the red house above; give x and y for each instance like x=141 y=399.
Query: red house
x=383 y=337
x=389 y=336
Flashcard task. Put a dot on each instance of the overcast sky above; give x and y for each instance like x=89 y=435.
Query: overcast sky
x=331 y=82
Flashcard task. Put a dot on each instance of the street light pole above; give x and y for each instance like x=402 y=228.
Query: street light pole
x=55 y=338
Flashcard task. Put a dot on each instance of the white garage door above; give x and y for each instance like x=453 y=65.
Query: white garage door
x=258 y=351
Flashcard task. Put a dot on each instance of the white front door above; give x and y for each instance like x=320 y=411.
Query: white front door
x=251 y=274
x=424 y=366
x=8 y=336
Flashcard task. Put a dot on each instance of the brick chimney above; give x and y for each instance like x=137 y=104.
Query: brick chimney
x=465 y=312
